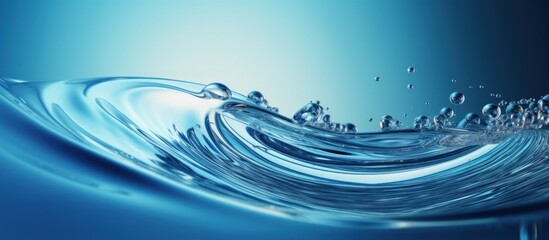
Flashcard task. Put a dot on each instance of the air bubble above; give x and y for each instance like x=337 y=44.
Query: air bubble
x=491 y=111
x=447 y=112
x=457 y=98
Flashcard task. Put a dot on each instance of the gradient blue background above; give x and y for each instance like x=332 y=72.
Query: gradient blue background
x=292 y=51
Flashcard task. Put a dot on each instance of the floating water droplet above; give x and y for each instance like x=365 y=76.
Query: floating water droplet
x=256 y=97
x=457 y=98
x=370 y=120
x=216 y=91
x=405 y=115
x=491 y=111
x=448 y=112
x=410 y=86
x=377 y=79
x=498 y=95
x=411 y=69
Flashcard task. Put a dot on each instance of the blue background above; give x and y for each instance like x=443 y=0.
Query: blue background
x=292 y=51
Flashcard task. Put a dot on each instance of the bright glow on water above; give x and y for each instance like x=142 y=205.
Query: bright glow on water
x=238 y=149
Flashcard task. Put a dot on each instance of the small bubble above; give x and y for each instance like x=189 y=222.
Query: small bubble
x=453 y=81
x=457 y=98
x=498 y=95
x=370 y=120
x=492 y=95
x=481 y=86
x=377 y=79
x=411 y=69
x=410 y=86
x=470 y=86
x=427 y=103
x=406 y=115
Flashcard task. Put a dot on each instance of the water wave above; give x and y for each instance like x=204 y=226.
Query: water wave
x=212 y=140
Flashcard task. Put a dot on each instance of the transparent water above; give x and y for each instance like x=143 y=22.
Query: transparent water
x=237 y=149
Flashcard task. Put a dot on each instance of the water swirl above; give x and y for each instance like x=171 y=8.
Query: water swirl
x=212 y=140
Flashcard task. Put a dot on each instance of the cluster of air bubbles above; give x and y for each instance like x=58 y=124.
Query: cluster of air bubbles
x=257 y=98
x=312 y=114
x=515 y=115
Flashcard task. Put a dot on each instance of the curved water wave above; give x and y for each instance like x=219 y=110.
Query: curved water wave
x=210 y=139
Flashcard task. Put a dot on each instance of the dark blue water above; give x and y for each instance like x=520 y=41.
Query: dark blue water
x=179 y=146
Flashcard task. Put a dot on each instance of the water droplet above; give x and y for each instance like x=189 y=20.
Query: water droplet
x=513 y=110
x=370 y=120
x=457 y=98
x=309 y=113
x=492 y=95
x=439 y=119
x=543 y=103
x=453 y=81
x=405 y=115
x=377 y=79
x=327 y=118
x=387 y=123
x=411 y=69
x=216 y=91
x=491 y=111
x=350 y=127
x=498 y=95
x=481 y=86
x=256 y=97
x=410 y=86
x=472 y=118
x=421 y=122
x=448 y=112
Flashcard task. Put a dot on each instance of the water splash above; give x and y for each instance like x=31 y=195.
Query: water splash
x=236 y=147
